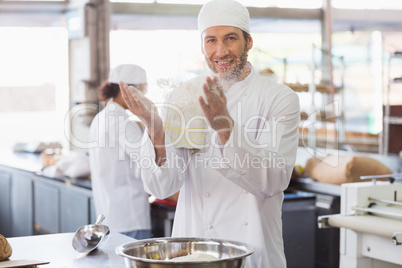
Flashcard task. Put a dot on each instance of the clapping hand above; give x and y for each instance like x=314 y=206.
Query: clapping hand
x=141 y=106
x=215 y=108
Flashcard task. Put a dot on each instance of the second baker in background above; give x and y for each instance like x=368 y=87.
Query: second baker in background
x=117 y=187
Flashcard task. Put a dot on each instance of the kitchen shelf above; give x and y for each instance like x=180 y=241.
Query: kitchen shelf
x=397 y=80
x=317 y=117
x=322 y=87
x=320 y=116
x=394 y=120
x=329 y=113
x=388 y=119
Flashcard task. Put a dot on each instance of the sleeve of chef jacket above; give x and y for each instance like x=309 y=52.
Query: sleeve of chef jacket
x=130 y=138
x=261 y=160
x=161 y=181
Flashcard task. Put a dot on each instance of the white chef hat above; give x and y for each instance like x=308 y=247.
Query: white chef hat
x=129 y=74
x=224 y=13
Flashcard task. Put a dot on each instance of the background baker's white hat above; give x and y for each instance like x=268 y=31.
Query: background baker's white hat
x=128 y=73
x=224 y=13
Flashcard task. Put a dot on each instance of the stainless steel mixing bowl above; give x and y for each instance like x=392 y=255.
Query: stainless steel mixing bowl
x=158 y=252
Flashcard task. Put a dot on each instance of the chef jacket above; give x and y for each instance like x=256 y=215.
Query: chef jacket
x=117 y=187
x=235 y=192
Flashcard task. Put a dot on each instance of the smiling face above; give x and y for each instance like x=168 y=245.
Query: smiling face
x=225 y=51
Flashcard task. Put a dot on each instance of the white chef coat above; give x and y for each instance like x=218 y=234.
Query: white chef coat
x=117 y=187
x=236 y=193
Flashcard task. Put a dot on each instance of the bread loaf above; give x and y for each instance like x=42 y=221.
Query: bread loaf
x=338 y=169
x=5 y=248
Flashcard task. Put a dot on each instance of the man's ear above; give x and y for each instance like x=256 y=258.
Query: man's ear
x=250 y=42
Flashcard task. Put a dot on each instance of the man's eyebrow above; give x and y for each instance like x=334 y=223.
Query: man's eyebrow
x=226 y=35
x=209 y=36
x=231 y=33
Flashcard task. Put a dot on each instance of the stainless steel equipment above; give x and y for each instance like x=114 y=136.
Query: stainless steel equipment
x=370 y=222
x=158 y=252
x=327 y=202
x=299 y=239
x=89 y=237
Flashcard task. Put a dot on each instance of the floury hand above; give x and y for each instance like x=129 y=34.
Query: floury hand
x=215 y=109
x=141 y=106
x=146 y=110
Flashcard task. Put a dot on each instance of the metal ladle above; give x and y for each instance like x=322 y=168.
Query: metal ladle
x=89 y=237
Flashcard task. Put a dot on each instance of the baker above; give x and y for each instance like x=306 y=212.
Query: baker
x=232 y=184
x=116 y=185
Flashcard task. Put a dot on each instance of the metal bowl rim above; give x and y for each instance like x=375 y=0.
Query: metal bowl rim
x=92 y=226
x=119 y=249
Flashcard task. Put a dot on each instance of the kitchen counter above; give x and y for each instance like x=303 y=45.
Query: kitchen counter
x=31 y=162
x=24 y=161
x=58 y=250
x=34 y=203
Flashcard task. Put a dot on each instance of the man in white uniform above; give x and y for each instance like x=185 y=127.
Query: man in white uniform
x=117 y=187
x=233 y=186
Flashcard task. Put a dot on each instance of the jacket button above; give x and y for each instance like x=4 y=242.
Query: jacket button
x=207 y=194
x=111 y=107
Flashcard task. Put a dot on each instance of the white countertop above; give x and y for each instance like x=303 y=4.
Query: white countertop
x=58 y=250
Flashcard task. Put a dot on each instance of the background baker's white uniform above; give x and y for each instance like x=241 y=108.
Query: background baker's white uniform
x=221 y=194
x=117 y=187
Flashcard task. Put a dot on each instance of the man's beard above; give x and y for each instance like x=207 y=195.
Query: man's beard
x=237 y=71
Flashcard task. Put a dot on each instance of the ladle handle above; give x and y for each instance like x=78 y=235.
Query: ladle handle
x=100 y=219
